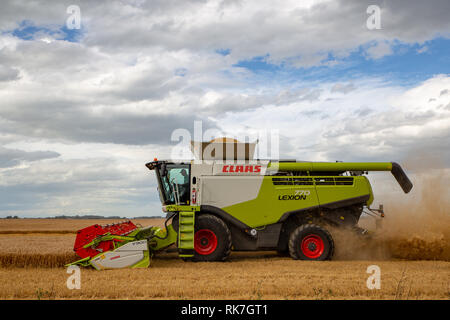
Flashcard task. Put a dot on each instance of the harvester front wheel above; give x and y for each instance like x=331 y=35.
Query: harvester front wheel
x=311 y=242
x=212 y=239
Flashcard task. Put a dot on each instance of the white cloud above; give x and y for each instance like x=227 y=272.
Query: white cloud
x=379 y=50
x=422 y=49
x=14 y=157
x=344 y=88
x=300 y=32
x=8 y=73
x=355 y=126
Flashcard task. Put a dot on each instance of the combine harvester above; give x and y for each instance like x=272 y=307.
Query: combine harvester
x=216 y=206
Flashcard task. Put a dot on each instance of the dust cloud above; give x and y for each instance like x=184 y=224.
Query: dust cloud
x=417 y=227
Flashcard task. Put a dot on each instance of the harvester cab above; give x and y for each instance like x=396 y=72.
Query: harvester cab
x=173 y=181
x=215 y=204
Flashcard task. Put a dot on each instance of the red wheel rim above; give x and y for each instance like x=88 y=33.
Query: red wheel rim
x=312 y=246
x=205 y=242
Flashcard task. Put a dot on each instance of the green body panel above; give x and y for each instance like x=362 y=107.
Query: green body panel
x=330 y=166
x=144 y=263
x=156 y=244
x=333 y=193
x=185 y=234
x=186 y=231
x=273 y=200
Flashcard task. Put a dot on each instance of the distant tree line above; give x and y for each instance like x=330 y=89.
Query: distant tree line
x=91 y=217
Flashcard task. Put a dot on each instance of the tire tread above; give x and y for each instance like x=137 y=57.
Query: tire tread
x=294 y=235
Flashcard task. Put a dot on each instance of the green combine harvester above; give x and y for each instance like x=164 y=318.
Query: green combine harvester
x=215 y=206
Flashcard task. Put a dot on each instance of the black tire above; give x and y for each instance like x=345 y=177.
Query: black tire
x=175 y=220
x=311 y=242
x=211 y=225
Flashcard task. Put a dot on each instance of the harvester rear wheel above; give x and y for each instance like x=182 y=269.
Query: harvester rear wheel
x=311 y=242
x=212 y=239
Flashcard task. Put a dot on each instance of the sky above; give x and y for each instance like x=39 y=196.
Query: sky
x=83 y=109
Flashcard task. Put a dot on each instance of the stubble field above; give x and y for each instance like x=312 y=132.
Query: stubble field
x=33 y=253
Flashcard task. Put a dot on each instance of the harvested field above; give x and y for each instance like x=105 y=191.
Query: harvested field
x=32 y=260
x=243 y=277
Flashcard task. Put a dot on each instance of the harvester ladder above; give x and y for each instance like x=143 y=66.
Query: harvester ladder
x=186 y=234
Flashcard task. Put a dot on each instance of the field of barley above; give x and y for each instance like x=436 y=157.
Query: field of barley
x=33 y=253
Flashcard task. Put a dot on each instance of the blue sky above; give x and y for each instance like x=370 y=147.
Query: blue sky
x=27 y=30
x=405 y=66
